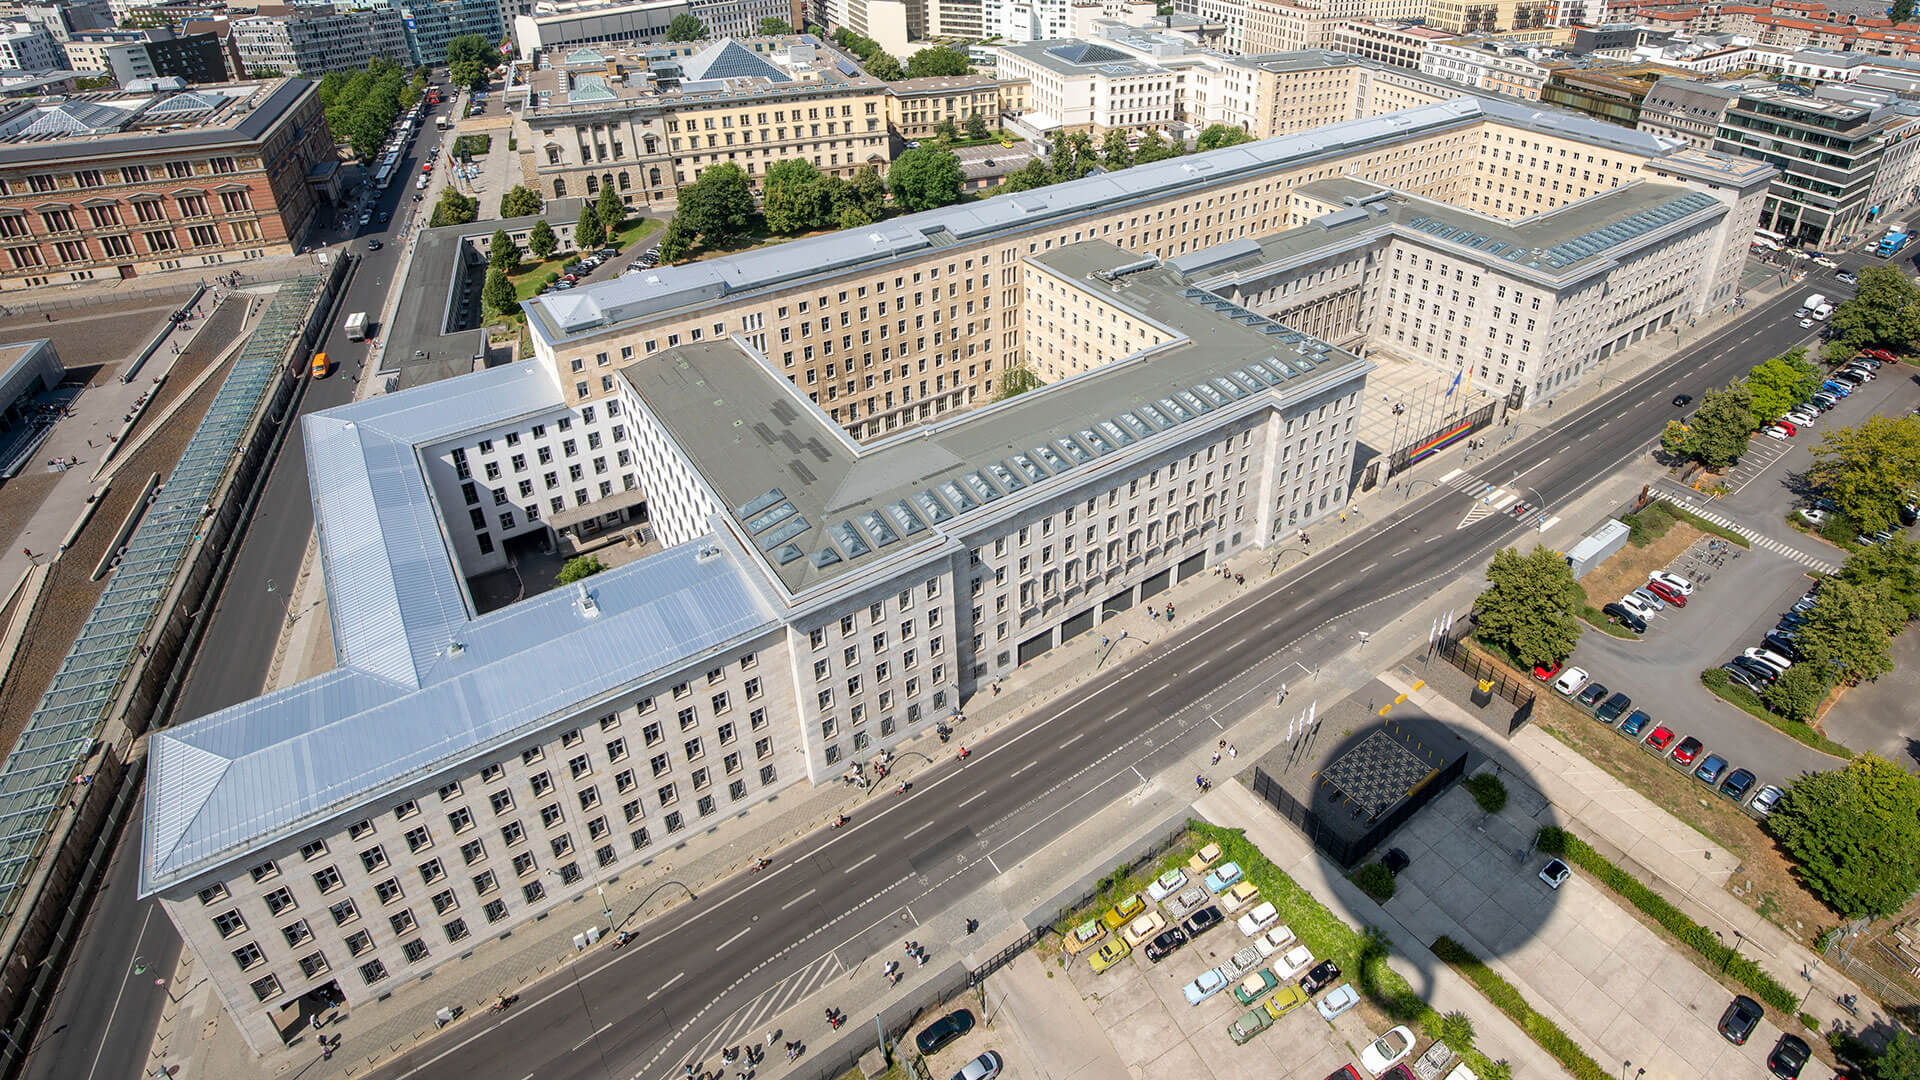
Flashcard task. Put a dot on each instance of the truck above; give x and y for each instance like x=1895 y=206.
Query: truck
x=1891 y=243
x=442 y=123
x=357 y=326
x=1812 y=304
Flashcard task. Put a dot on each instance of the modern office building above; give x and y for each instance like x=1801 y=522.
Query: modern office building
x=430 y=24
x=118 y=183
x=647 y=121
x=1828 y=153
x=568 y=23
x=857 y=540
x=29 y=46
x=194 y=58
x=313 y=39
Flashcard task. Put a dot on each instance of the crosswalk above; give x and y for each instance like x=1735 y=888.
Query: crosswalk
x=1766 y=542
x=744 y=1024
x=1489 y=499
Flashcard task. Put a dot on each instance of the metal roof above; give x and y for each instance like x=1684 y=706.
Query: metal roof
x=728 y=59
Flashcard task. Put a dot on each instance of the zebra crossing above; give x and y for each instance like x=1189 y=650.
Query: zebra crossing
x=1766 y=542
x=743 y=1024
x=1489 y=499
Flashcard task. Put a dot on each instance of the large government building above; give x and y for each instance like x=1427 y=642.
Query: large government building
x=860 y=529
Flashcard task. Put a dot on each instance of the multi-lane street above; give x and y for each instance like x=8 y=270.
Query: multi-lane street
x=88 y=1034
x=831 y=899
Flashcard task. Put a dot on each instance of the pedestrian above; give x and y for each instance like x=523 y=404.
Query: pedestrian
x=1233 y=751
x=1216 y=757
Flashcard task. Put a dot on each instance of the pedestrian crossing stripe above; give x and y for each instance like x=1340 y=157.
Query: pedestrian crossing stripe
x=1767 y=543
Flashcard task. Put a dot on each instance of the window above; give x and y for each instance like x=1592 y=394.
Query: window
x=388 y=891
x=534 y=891
x=496 y=910
x=279 y=900
x=432 y=871
x=579 y=766
x=373 y=858
x=327 y=879
x=487 y=775
x=452 y=791
x=314 y=850
x=402 y=922
x=229 y=923
x=541 y=783
x=373 y=971
x=472 y=852
x=360 y=830
x=418 y=838
x=313 y=964
x=213 y=894
x=264 y=871
x=502 y=801
x=456 y=930
x=512 y=833
x=551 y=815
x=460 y=820
x=360 y=943
x=265 y=987
x=343 y=912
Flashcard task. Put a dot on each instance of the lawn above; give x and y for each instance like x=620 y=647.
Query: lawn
x=528 y=280
x=1746 y=700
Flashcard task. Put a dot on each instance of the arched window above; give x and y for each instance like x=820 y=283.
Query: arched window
x=593 y=184
x=653 y=178
x=625 y=180
x=559 y=189
x=606 y=180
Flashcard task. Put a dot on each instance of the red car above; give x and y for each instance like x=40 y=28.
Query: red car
x=1345 y=1072
x=1666 y=592
x=1661 y=738
x=1688 y=749
x=1788 y=426
x=1544 y=672
x=1882 y=354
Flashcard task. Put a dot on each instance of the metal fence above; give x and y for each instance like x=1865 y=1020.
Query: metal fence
x=1496 y=678
x=1346 y=849
x=1853 y=954
x=1453 y=431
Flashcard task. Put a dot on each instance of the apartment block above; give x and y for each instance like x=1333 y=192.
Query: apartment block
x=1485 y=66
x=116 y=184
x=646 y=121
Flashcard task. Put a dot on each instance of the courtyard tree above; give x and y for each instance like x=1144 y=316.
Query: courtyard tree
x=686 y=27
x=542 y=240
x=453 y=209
x=498 y=295
x=1217 y=136
x=1153 y=148
x=1869 y=469
x=519 y=201
x=794 y=199
x=977 y=125
x=718 y=206
x=926 y=178
x=676 y=241
x=1531 y=606
x=502 y=252
x=1115 y=154
x=1894 y=563
x=578 y=567
x=1034 y=174
x=1854 y=833
x=772 y=27
x=611 y=210
x=936 y=60
x=588 y=233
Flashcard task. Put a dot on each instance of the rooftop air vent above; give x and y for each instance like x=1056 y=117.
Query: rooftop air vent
x=584 y=600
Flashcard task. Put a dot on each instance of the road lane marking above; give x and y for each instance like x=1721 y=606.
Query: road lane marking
x=981 y=794
x=590 y=1038
x=1115 y=716
x=1159 y=688
x=741 y=934
x=1368 y=567
x=1073 y=740
x=1237 y=642
x=1403 y=551
x=1429 y=539
x=1449 y=476
x=1022 y=769
x=1198 y=666
x=918 y=831
x=797 y=899
x=861 y=863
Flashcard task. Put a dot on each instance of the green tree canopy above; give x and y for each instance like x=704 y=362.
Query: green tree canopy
x=794 y=198
x=1797 y=693
x=977 y=126
x=1677 y=439
x=882 y=66
x=686 y=27
x=1901 y=11
x=945 y=130
x=588 y=233
x=676 y=241
x=1868 y=470
x=1721 y=426
x=1884 y=311
x=610 y=209
x=1153 y=148
x=470 y=57
x=1781 y=383
x=542 y=241
x=1114 y=152
x=772 y=27
x=937 y=60
x=1855 y=834
x=578 y=567
x=1073 y=156
x=718 y=206
x=502 y=252
x=866 y=195
x=1219 y=135
x=498 y=295
x=1848 y=633
x=1034 y=174
x=1901 y=1059
x=925 y=178
x=520 y=201
x=1896 y=563
x=453 y=209
x=1530 y=605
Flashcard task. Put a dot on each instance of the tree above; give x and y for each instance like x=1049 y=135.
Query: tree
x=1797 y=693
x=1901 y=11
x=977 y=126
x=588 y=233
x=498 y=295
x=1884 y=311
x=676 y=242
x=1153 y=148
x=925 y=178
x=1722 y=425
x=1896 y=563
x=611 y=210
x=718 y=206
x=1848 y=633
x=1870 y=469
x=868 y=192
x=1677 y=439
x=883 y=66
x=937 y=60
x=578 y=567
x=453 y=209
x=1455 y=1029
x=1855 y=833
x=502 y=253
x=685 y=27
x=1221 y=135
x=1901 y=1059
x=945 y=131
x=542 y=240
x=772 y=27
x=1114 y=152
x=265 y=71
x=1781 y=383
x=793 y=199
x=469 y=59
x=1034 y=174
x=1530 y=605
x=1073 y=156
x=520 y=201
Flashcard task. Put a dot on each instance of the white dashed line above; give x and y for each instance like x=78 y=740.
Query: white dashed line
x=1073 y=740
x=736 y=937
x=861 y=863
x=797 y=899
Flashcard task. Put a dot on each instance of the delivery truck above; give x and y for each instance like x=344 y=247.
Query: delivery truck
x=357 y=326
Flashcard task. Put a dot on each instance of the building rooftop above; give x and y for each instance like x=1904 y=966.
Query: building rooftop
x=940 y=84
x=558 y=320
x=1071 y=56
x=668 y=74
x=114 y=121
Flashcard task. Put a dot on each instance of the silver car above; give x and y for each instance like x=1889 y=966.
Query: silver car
x=985 y=1067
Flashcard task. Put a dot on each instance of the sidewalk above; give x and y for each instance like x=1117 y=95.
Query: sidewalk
x=1234 y=806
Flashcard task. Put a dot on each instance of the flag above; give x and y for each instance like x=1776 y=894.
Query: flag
x=1454 y=385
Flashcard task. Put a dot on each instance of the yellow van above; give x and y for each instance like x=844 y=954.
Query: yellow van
x=320 y=365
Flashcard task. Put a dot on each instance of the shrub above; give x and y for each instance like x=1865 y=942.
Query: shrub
x=1376 y=881
x=1508 y=1000
x=1488 y=791
x=1743 y=969
x=1649 y=524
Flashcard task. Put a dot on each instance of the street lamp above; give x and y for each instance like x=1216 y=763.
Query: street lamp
x=605 y=908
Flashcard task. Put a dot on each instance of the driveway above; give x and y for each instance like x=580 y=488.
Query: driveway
x=1577 y=957
x=1877 y=716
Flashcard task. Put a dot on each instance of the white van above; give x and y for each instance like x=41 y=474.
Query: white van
x=420 y=184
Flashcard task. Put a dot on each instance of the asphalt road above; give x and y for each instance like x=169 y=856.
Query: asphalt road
x=89 y=1034
x=641 y=1010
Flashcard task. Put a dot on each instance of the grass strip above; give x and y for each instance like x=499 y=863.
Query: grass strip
x=1742 y=698
x=1597 y=619
x=1742 y=969
x=1503 y=995
x=1703 y=524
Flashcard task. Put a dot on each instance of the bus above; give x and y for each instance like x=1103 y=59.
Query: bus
x=1775 y=240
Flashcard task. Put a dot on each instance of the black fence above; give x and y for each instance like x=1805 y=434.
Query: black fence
x=1497 y=680
x=1340 y=844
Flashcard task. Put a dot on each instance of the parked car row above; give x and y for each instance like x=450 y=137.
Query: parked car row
x=645 y=261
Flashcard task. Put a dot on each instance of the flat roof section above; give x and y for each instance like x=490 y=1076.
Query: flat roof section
x=816 y=506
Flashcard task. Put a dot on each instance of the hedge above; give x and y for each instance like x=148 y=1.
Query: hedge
x=1502 y=994
x=1723 y=687
x=1743 y=969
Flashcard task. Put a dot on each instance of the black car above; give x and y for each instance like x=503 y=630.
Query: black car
x=1202 y=921
x=1737 y=784
x=1395 y=861
x=372 y=244
x=385 y=217
x=1783 y=644
x=1755 y=668
x=1166 y=944
x=943 y=1031
x=1741 y=1017
x=1610 y=711
x=1321 y=977
x=1592 y=695
x=1616 y=613
x=1788 y=1057
x=1681 y=400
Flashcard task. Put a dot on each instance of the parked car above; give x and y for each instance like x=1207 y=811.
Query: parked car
x=1251 y=1023
x=1202 y=921
x=985 y=1067
x=1815 y=518
x=1108 y=955
x=1788 y=1057
x=1710 y=769
x=1275 y=939
x=1082 y=937
x=1204 y=986
x=1637 y=606
x=1166 y=944
x=1320 y=977
x=1765 y=800
x=1755 y=668
x=1255 y=986
x=1742 y=677
x=1592 y=695
x=1166 y=885
x=1570 y=680
x=1781 y=641
x=1287 y=999
x=1737 y=784
x=1395 y=861
x=1555 y=873
x=938 y=1034
x=1384 y=1052
x=1222 y=877
x=1338 y=1000
x=1672 y=597
x=1123 y=912
x=1293 y=962
x=1687 y=751
x=1241 y=895
x=1770 y=658
x=1658 y=742
x=1672 y=581
x=1741 y=1018
x=1205 y=857
x=1774 y=431
x=1634 y=724
x=1618 y=613
x=1261 y=917
x=1610 y=710
x=1545 y=672
x=1144 y=929
x=1650 y=598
